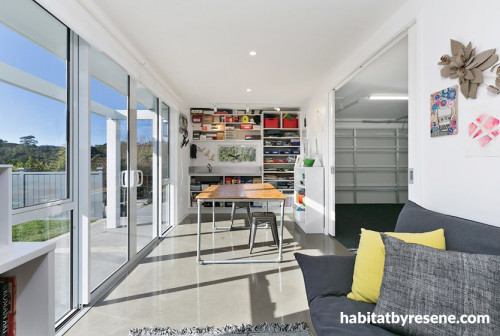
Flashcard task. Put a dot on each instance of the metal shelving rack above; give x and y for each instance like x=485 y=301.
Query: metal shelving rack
x=361 y=144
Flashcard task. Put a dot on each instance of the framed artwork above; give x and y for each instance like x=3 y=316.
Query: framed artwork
x=483 y=139
x=444 y=112
x=183 y=123
x=237 y=154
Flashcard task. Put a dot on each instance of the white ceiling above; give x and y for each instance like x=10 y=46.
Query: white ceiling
x=387 y=75
x=201 y=47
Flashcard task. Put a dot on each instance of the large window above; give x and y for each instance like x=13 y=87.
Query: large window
x=164 y=161
x=33 y=93
x=147 y=116
x=34 y=133
x=109 y=168
x=47 y=130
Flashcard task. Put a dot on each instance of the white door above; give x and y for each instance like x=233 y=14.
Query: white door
x=330 y=167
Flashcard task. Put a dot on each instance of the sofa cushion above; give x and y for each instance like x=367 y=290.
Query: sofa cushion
x=419 y=280
x=325 y=316
x=461 y=234
x=326 y=275
x=369 y=266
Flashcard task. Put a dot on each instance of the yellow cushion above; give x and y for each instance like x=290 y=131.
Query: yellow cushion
x=369 y=266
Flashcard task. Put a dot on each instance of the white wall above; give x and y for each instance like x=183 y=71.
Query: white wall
x=445 y=179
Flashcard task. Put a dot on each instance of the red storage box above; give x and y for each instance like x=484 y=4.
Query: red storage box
x=196 y=118
x=271 y=123
x=291 y=123
x=247 y=127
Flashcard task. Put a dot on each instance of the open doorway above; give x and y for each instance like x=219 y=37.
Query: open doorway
x=371 y=146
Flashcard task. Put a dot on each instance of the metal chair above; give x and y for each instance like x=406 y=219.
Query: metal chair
x=263 y=218
x=239 y=205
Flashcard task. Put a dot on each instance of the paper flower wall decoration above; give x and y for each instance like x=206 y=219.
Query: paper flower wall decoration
x=468 y=67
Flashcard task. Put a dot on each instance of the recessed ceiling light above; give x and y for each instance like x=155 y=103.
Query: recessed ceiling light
x=249 y=90
x=277 y=109
x=388 y=97
x=252 y=53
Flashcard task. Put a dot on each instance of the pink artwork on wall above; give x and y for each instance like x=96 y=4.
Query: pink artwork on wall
x=484 y=129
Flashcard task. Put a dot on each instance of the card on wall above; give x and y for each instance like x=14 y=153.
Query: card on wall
x=483 y=138
x=444 y=112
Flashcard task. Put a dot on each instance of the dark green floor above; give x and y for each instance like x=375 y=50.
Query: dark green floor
x=350 y=218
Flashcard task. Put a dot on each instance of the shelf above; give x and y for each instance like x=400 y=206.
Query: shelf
x=278 y=172
x=281 y=163
x=267 y=180
x=270 y=137
x=281 y=154
x=282 y=147
x=226 y=140
x=211 y=131
x=282 y=129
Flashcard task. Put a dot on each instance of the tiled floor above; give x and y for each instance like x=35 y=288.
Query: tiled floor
x=168 y=288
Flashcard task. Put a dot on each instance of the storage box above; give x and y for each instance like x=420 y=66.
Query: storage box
x=207 y=119
x=220 y=135
x=216 y=119
x=257 y=180
x=246 y=126
x=271 y=123
x=295 y=142
x=230 y=135
x=196 y=118
x=291 y=123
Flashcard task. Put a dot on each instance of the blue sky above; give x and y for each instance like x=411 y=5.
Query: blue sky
x=26 y=113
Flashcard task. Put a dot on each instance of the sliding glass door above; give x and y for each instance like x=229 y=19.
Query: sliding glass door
x=109 y=168
x=164 y=170
x=147 y=169
x=35 y=134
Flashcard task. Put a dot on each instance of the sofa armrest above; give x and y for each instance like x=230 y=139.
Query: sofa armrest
x=326 y=275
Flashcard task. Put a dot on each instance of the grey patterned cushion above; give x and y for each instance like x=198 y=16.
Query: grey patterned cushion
x=420 y=280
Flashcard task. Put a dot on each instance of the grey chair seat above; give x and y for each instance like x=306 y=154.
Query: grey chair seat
x=263 y=218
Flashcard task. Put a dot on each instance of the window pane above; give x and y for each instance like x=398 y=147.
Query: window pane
x=165 y=192
x=33 y=89
x=146 y=121
x=56 y=228
x=108 y=141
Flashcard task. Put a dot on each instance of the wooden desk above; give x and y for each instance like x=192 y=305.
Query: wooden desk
x=240 y=193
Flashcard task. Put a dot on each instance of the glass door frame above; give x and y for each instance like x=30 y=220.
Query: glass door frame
x=163 y=181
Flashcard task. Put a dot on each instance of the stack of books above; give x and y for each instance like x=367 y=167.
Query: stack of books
x=7 y=306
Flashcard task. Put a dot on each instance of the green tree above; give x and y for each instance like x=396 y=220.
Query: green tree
x=28 y=140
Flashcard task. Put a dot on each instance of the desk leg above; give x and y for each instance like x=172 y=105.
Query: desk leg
x=198 y=243
x=213 y=216
x=281 y=230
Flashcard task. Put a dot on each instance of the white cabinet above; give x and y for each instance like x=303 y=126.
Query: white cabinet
x=309 y=199
x=33 y=266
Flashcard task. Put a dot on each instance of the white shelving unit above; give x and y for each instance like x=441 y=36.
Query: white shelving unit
x=310 y=214
x=32 y=264
x=280 y=146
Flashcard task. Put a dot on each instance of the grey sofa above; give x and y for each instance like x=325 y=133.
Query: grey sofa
x=328 y=279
